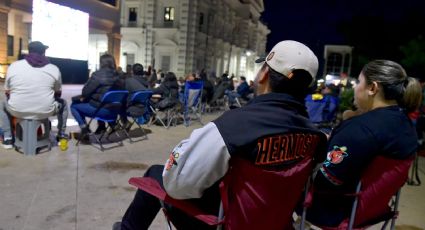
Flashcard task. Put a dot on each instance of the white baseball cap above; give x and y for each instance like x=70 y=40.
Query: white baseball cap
x=287 y=56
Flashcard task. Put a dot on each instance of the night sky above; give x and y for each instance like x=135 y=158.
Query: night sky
x=375 y=28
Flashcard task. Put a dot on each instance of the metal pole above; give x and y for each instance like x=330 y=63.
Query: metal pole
x=354 y=208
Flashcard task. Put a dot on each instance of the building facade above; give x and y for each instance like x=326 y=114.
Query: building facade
x=16 y=19
x=186 y=36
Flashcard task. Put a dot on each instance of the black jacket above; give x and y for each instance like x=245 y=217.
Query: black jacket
x=168 y=89
x=142 y=80
x=273 y=117
x=99 y=83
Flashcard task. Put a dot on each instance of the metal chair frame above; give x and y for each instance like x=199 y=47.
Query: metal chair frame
x=116 y=98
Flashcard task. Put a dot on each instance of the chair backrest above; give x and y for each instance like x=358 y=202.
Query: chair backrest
x=141 y=97
x=255 y=198
x=380 y=181
x=114 y=97
x=192 y=93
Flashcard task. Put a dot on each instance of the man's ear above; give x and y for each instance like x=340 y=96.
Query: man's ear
x=374 y=88
x=264 y=76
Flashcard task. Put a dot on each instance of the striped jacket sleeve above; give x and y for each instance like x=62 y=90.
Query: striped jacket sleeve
x=196 y=163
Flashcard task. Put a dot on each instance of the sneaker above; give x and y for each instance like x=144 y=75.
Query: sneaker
x=7 y=144
x=62 y=136
x=84 y=136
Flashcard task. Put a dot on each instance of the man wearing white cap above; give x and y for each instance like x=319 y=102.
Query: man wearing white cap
x=277 y=112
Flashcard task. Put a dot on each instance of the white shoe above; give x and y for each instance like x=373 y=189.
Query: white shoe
x=7 y=144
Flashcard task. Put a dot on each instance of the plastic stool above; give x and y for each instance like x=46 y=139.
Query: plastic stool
x=29 y=138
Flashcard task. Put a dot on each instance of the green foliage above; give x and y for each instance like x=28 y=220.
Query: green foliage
x=347 y=98
x=414 y=57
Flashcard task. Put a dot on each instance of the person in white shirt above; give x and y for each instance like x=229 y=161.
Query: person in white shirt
x=33 y=88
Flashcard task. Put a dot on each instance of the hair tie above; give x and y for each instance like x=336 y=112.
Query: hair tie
x=406 y=82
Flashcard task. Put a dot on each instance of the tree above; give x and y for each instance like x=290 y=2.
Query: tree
x=414 y=57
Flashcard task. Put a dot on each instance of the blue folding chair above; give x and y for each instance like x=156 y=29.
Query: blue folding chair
x=114 y=101
x=192 y=101
x=139 y=110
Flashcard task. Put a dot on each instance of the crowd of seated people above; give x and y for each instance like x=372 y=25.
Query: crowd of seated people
x=166 y=89
x=378 y=127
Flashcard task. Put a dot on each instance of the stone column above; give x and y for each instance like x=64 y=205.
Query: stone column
x=114 y=46
x=3 y=34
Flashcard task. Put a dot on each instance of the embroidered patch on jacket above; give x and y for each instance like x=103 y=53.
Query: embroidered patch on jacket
x=172 y=160
x=336 y=155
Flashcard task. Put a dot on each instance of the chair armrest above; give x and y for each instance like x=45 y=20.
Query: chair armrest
x=152 y=187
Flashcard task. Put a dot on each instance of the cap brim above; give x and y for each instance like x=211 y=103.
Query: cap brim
x=260 y=60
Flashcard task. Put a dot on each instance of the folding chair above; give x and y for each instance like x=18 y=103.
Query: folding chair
x=114 y=101
x=135 y=112
x=218 y=101
x=170 y=113
x=252 y=197
x=192 y=101
x=379 y=185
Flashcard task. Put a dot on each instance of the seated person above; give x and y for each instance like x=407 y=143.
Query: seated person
x=133 y=84
x=208 y=87
x=166 y=95
x=380 y=126
x=242 y=91
x=101 y=81
x=197 y=164
x=33 y=90
x=322 y=107
x=220 y=91
x=139 y=75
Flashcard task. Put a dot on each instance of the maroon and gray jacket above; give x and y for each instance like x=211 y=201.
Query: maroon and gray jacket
x=272 y=131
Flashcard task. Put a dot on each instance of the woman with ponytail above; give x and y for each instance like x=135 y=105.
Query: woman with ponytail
x=379 y=127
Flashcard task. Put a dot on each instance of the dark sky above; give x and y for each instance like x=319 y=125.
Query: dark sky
x=319 y=22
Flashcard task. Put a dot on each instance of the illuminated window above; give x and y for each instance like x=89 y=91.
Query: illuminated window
x=169 y=14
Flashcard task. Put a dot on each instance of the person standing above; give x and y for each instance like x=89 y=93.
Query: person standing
x=33 y=90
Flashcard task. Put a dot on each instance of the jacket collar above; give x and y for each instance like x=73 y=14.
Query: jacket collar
x=281 y=98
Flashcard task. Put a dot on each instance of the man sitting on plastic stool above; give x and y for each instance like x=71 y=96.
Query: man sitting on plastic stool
x=33 y=88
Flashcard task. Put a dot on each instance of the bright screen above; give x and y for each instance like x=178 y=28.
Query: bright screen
x=63 y=29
